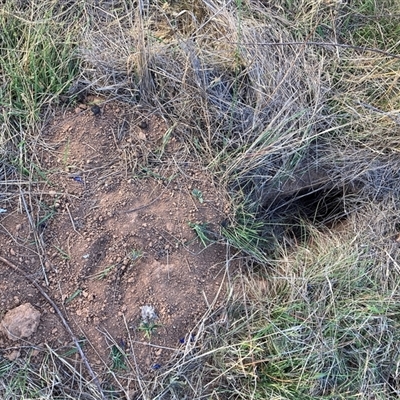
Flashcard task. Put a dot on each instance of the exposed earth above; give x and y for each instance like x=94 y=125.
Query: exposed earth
x=110 y=227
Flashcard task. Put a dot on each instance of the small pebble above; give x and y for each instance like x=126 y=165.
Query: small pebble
x=13 y=355
x=143 y=124
x=95 y=110
x=158 y=352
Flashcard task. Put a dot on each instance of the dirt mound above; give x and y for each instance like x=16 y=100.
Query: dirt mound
x=128 y=219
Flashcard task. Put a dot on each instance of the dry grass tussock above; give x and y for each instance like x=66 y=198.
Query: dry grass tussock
x=305 y=141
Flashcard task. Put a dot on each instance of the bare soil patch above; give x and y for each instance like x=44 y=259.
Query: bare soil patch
x=119 y=194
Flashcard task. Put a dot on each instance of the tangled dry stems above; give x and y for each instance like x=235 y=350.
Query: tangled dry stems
x=277 y=125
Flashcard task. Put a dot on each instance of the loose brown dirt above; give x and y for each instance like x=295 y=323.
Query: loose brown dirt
x=110 y=227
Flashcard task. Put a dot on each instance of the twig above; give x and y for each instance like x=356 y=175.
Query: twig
x=144 y=205
x=148 y=204
x=72 y=220
x=63 y=320
x=38 y=238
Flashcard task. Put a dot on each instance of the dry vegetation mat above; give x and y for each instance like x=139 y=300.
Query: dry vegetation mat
x=199 y=199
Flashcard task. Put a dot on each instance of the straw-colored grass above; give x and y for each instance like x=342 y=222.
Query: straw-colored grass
x=294 y=107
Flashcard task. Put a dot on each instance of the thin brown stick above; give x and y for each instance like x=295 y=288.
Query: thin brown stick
x=148 y=204
x=144 y=205
x=63 y=320
x=39 y=239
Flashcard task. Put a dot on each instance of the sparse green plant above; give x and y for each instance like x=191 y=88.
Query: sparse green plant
x=118 y=359
x=198 y=195
x=165 y=140
x=149 y=328
x=49 y=213
x=135 y=255
x=146 y=172
x=73 y=350
x=63 y=254
x=104 y=272
x=66 y=154
x=202 y=232
x=73 y=296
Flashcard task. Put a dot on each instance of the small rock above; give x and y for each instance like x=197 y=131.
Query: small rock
x=96 y=110
x=18 y=227
x=158 y=352
x=20 y=322
x=13 y=355
x=141 y=135
x=12 y=252
x=34 y=352
x=143 y=124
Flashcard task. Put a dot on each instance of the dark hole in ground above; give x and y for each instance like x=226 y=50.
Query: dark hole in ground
x=309 y=187
x=321 y=206
x=289 y=203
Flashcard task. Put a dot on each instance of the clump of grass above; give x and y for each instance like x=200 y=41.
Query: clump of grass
x=117 y=358
x=37 y=55
x=202 y=231
x=317 y=323
x=322 y=326
x=247 y=234
x=46 y=376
